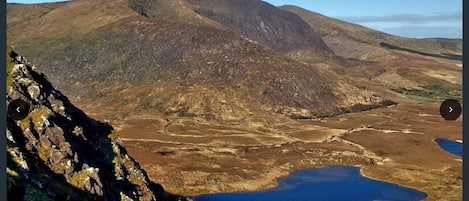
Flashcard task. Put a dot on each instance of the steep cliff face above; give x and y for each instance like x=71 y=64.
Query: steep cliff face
x=59 y=153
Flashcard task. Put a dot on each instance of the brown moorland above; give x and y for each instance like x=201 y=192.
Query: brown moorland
x=205 y=109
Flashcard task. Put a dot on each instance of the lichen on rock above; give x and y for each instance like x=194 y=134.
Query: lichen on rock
x=58 y=153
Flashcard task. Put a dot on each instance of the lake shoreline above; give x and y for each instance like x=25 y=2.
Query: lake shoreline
x=450 y=146
x=192 y=170
x=326 y=173
x=364 y=174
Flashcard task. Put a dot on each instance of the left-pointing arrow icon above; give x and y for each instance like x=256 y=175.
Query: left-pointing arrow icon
x=18 y=109
x=450 y=109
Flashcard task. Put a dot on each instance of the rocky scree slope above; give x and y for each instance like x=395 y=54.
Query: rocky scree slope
x=58 y=153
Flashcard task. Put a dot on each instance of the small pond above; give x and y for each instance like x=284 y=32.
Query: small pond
x=450 y=146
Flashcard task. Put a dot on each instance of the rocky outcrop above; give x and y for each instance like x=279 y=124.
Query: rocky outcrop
x=58 y=153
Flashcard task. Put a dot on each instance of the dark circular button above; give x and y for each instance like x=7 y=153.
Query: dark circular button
x=450 y=109
x=18 y=109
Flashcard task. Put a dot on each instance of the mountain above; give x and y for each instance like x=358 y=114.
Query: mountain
x=59 y=153
x=280 y=30
x=93 y=48
x=203 y=98
x=355 y=41
x=284 y=32
x=421 y=69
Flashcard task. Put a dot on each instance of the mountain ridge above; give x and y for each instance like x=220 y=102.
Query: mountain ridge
x=136 y=50
x=189 y=97
x=339 y=34
x=264 y=24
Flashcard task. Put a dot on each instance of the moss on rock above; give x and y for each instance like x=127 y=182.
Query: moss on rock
x=9 y=69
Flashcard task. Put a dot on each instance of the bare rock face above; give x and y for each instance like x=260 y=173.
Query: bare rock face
x=59 y=153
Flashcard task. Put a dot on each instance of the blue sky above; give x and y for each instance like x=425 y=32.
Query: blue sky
x=408 y=18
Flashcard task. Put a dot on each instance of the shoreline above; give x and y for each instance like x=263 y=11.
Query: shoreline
x=220 y=170
x=276 y=183
x=362 y=172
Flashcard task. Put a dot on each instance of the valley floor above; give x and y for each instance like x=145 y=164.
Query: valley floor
x=394 y=144
x=193 y=156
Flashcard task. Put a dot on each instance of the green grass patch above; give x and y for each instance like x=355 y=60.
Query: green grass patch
x=431 y=93
x=13 y=181
x=33 y=193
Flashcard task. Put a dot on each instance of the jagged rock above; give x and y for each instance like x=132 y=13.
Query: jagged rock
x=34 y=92
x=74 y=157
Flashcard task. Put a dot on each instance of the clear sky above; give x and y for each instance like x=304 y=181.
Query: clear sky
x=409 y=18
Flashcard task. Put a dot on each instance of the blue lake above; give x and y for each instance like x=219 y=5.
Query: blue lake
x=333 y=183
x=450 y=146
